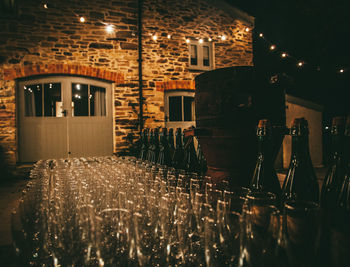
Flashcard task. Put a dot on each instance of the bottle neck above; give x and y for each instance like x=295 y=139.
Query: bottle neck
x=300 y=146
x=265 y=148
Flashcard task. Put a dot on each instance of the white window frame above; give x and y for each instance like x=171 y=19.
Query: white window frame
x=200 y=46
x=178 y=124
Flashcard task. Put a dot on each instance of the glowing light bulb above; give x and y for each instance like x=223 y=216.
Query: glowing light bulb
x=300 y=64
x=223 y=37
x=272 y=47
x=154 y=37
x=261 y=35
x=341 y=70
x=200 y=41
x=169 y=36
x=209 y=39
x=109 y=28
x=284 y=55
x=82 y=19
x=45 y=6
x=246 y=29
x=187 y=41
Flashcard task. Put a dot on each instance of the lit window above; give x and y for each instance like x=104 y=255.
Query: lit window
x=200 y=55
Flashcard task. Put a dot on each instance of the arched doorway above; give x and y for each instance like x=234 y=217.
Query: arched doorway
x=64 y=116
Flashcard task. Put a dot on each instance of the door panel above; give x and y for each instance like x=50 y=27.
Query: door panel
x=64 y=116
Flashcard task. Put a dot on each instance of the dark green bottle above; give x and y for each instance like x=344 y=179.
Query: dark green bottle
x=265 y=177
x=301 y=181
x=151 y=146
x=164 y=157
x=144 y=144
x=171 y=145
x=178 y=158
x=335 y=173
x=191 y=159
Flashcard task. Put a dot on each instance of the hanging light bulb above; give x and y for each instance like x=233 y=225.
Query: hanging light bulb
x=45 y=6
x=261 y=35
x=246 y=29
x=109 y=28
x=223 y=37
x=187 y=40
x=284 y=55
x=200 y=41
x=169 y=36
x=341 y=71
x=154 y=37
x=209 y=39
x=82 y=19
x=272 y=47
x=300 y=64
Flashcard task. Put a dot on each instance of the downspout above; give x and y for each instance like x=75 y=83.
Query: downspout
x=139 y=33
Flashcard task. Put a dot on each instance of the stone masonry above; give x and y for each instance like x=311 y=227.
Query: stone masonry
x=40 y=41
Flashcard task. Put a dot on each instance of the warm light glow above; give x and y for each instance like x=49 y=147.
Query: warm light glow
x=223 y=37
x=272 y=47
x=200 y=41
x=187 y=41
x=109 y=28
x=284 y=55
x=341 y=70
x=247 y=29
x=300 y=64
x=209 y=39
x=261 y=35
x=82 y=19
x=45 y=6
x=77 y=86
x=169 y=36
x=154 y=37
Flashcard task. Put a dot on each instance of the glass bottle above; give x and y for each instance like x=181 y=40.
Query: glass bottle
x=150 y=153
x=171 y=145
x=265 y=177
x=335 y=173
x=144 y=144
x=164 y=152
x=191 y=160
x=156 y=145
x=178 y=158
x=300 y=182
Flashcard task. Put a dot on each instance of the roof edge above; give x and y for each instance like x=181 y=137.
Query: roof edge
x=233 y=11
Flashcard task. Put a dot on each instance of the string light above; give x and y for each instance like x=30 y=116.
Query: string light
x=284 y=55
x=261 y=35
x=246 y=29
x=109 y=28
x=209 y=39
x=272 y=47
x=154 y=37
x=300 y=64
x=82 y=19
x=169 y=36
x=341 y=71
x=223 y=38
x=45 y=6
x=200 y=41
x=187 y=41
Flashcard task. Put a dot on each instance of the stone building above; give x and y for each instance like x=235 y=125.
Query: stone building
x=73 y=74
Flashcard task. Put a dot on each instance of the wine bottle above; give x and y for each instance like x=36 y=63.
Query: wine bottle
x=265 y=177
x=150 y=153
x=202 y=161
x=178 y=158
x=144 y=144
x=164 y=152
x=335 y=173
x=191 y=160
x=300 y=182
x=156 y=145
x=171 y=145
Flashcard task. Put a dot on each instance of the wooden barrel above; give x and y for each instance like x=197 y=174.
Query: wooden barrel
x=229 y=103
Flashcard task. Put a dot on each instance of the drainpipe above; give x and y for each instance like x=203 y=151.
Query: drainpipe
x=139 y=24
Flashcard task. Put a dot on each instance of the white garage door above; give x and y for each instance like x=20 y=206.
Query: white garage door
x=62 y=117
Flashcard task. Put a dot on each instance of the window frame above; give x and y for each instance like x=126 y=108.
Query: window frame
x=182 y=93
x=200 y=55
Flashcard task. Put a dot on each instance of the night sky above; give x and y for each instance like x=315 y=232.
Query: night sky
x=314 y=31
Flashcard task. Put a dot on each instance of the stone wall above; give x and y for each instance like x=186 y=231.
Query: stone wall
x=39 y=39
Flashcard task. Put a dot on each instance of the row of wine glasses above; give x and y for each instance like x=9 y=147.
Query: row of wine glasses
x=112 y=211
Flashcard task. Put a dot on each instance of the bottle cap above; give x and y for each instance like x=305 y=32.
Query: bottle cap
x=299 y=127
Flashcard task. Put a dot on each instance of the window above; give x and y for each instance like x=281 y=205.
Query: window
x=8 y=8
x=179 y=109
x=201 y=55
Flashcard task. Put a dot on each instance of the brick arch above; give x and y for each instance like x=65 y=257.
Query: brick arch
x=175 y=85
x=31 y=70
